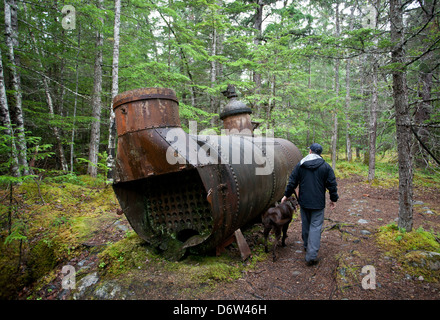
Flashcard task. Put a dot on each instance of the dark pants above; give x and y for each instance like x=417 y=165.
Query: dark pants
x=312 y=221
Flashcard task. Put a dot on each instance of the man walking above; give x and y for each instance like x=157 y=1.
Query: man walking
x=314 y=176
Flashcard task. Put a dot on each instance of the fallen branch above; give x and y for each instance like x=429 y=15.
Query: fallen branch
x=337 y=225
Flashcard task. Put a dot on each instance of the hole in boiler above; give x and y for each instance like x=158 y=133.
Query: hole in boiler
x=185 y=234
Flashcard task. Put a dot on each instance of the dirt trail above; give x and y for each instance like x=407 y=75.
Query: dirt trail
x=348 y=244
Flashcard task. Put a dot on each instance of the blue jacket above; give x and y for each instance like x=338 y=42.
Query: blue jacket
x=314 y=176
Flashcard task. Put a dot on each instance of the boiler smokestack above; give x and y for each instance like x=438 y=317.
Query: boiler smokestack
x=236 y=115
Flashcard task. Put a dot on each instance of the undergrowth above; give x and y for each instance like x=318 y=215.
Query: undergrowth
x=386 y=172
x=414 y=250
x=132 y=253
x=44 y=222
x=398 y=241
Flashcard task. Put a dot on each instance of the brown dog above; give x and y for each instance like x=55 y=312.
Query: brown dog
x=278 y=218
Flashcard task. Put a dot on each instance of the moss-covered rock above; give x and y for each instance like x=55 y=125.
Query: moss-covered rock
x=41 y=260
x=418 y=251
x=424 y=259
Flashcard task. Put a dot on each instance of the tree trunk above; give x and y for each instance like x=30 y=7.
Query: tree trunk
x=11 y=42
x=309 y=99
x=373 y=109
x=373 y=124
x=115 y=89
x=348 y=99
x=59 y=146
x=258 y=25
x=271 y=104
x=95 y=131
x=75 y=103
x=403 y=131
x=335 y=111
x=5 y=121
x=347 y=112
x=212 y=97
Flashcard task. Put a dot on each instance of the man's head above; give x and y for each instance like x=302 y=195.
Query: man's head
x=316 y=148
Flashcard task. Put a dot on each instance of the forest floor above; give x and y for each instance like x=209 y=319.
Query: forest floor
x=348 y=244
x=115 y=264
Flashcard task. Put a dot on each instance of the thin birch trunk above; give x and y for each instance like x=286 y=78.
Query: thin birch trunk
x=115 y=89
x=347 y=111
x=11 y=42
x=55 y=129
x=5 y=121
x=335 y=112
x=373 y=123
x=348 y=98
x=373 y=111
x=258 y=25
x=309 y=98
x=95 y=131
x=212 y=98
x=75 y=103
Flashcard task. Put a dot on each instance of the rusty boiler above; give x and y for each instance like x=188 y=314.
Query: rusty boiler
x=190 y=192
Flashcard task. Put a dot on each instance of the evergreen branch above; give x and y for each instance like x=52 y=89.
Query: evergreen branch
x=423 y=145
x=431 y=48
x=57 y=82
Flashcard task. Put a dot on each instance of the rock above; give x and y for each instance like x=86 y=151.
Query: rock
x=417 y=202
x=424 y=259
x=365 y=232
x=82 y=262
x=120 y=226
x=342 y=271
x=86 y=282
x=108 y=291
x=362 y=221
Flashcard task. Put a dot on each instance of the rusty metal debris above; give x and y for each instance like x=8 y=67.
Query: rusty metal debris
x=191 y=192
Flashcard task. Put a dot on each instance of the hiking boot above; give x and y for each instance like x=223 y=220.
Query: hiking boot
x=311 y=262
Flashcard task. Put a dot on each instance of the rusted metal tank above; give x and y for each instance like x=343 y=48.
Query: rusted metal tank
x=184 y=191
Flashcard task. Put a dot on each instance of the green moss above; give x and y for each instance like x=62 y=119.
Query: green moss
x=58 y=214
x=398 y=241
x=347 y=273
x=217 y=269
x=123 y=255
x=10 y=279
x=409 y=248
x=41 y=260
